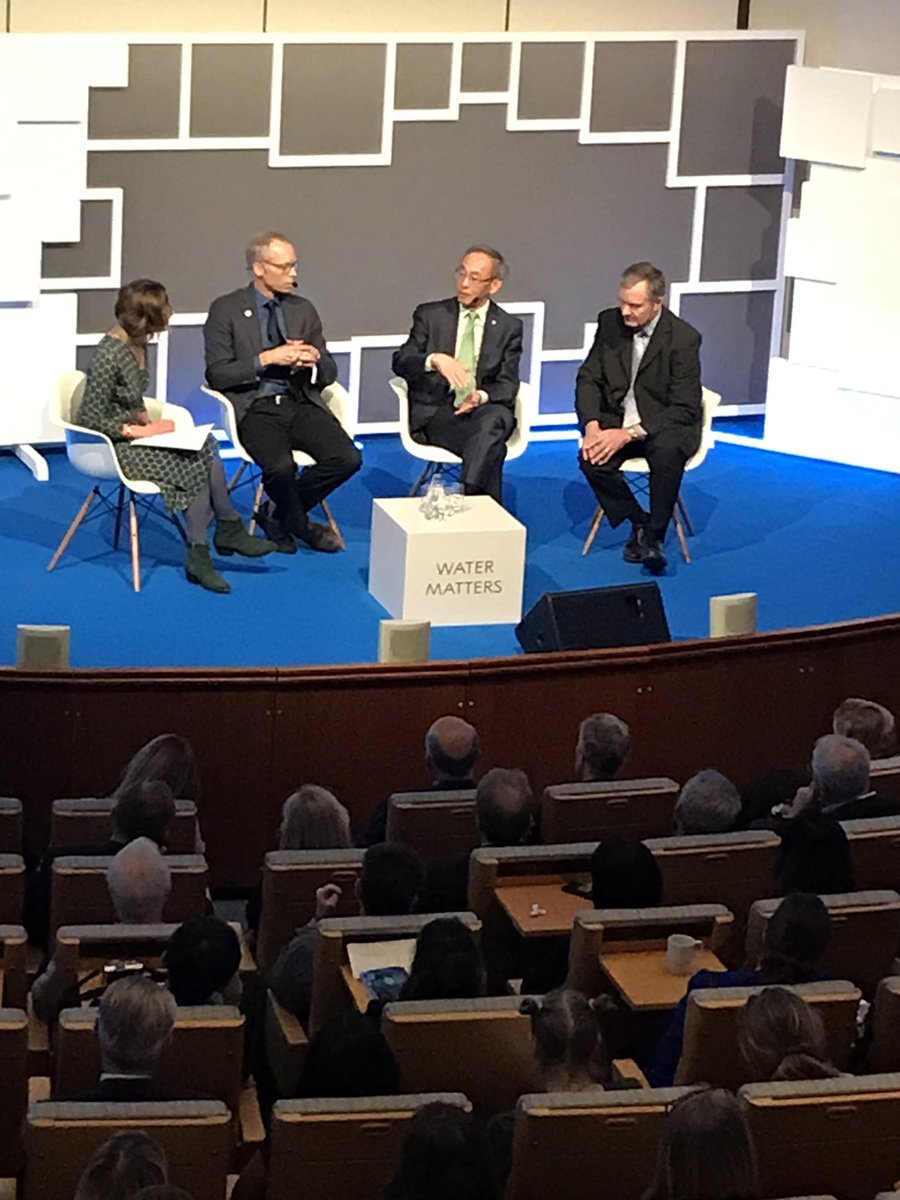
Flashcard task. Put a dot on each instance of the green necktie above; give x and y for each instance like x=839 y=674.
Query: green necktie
x=466 y=356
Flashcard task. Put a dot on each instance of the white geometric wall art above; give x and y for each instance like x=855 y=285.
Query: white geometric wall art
x=827 y=115
x=836 y=392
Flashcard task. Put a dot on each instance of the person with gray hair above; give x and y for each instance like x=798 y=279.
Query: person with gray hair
x=461 y=366
x=638 y=394
x=868 y=722
x=451 y=751
x=840 y=785
x=139 y=883
x=265 y=349
x=313 y=819
x=504 y=807
x=604 y=743
x=708 y=803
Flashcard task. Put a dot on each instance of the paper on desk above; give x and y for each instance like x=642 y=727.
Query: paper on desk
x=189 y=437
x=369 y=956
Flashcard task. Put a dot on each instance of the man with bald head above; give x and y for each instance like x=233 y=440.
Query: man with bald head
x=452 y=751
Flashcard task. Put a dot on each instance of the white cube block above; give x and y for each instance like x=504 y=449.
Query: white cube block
x=886 y=122
x=468 y=569
x=826 y=116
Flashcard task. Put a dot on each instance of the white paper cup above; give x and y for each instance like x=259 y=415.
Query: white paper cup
x=681 y=950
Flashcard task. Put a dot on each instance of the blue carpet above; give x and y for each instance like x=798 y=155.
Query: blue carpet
x=813 y=539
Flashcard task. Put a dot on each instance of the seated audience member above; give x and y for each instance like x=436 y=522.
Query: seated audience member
x=624 y=874
x=172 y=759
x=389 y=885
x=314 y=819
x=814 y=856
x=782 y=1037
x=869 y=723
x=203 y=959
x=708 y=803
x=452 y=751
x=603 y=746
x=445 y=1156
x=124 y=1167
x=134 y=1025
x=840 y=784
x=139 y=883
x=796 y=938
x=144 y=809
x=567 y=1041
x=505 y=812
x=706 y=1151
x=447 y=964
x=349 y=1057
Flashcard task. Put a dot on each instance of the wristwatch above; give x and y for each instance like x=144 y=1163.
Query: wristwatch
x=632 y=431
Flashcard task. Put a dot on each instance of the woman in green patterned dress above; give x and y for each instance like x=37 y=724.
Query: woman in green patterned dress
x=191 y=481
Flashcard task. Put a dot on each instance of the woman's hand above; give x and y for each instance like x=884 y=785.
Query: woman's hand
x=141 y=431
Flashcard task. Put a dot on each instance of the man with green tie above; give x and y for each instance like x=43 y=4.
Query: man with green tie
x=461 y=364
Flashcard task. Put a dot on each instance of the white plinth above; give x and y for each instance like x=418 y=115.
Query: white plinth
x=465 y=570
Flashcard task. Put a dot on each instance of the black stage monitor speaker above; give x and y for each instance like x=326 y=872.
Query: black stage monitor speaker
x=594 y=618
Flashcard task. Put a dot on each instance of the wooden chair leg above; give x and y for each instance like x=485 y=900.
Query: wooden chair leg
x=685 y=515
x=236 y=478
x=679 y=529
x=332 y=524
x=70 y=532
x=592 y=533
x=135 y=544
x=426 y=474
x=257 y=501
x=120 y=505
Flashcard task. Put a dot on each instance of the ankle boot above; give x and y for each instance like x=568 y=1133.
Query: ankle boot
x=232 y=538
x=199 y=569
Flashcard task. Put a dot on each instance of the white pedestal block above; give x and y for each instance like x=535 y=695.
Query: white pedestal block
x=465 y=570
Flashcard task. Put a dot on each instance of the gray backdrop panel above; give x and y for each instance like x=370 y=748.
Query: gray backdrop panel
x=332 y=99
x=632 y=86
x=148 y=107
x=91 y=255
x=741 y=233
x=735 y=353
x=733 y=99
x=230 y=91
x=423 y=76
x=485 y=67
x=550 y=80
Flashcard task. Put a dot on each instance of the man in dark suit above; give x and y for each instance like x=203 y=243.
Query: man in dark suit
x=638 y=394
x=266 y=351
x=461 y=362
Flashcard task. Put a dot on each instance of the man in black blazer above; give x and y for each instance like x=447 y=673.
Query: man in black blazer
x=638 y=394
x=461 y=362
x=266 y=351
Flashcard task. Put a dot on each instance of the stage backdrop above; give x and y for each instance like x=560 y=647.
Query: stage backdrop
x=383 y=157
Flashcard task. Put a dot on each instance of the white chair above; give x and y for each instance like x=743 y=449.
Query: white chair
x=339 y=402
x=92 y=454
x=640 y=466
x=436 y=457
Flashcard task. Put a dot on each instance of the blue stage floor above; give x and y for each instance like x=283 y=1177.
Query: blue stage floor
x=816 y=541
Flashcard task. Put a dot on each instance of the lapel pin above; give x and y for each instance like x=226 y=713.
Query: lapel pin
x=247 y=312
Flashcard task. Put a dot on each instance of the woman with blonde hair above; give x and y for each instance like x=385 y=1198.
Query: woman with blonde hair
x=314 y=819
x=781 y=1037
x=568 y=1041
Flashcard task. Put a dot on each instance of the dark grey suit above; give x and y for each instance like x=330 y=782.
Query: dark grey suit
x=478 y=437
x=271 y=427
x=669 y=399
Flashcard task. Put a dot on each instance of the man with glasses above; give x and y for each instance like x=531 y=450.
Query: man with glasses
x=266 y=351
x=461 y=363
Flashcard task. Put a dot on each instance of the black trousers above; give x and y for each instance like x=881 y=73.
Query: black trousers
x=666 y=459
x=479 y=438
x=271 y=431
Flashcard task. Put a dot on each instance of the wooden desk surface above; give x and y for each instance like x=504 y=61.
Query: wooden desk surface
x=356 y=988
x=559 y=907
x=641 y=978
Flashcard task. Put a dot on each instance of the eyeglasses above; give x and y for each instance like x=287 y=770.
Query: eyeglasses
x=287 y=266
x=461 y=273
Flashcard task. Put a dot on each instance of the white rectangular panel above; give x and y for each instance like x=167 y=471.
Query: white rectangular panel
x=20 y=262
x=814 y=320
x=52 y=174
x=886 y=122
x=810 y=252
x=36 y=346
x=826 y=116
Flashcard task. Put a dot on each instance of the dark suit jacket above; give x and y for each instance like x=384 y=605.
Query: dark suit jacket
x=132 y=1090
x=232 y=340
x=434 y=331
x=667 y=387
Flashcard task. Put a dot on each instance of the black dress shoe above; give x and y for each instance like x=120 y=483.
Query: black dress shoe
x=654 y=558
x=275 y=532
x=636 y=546
x=320 y=537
